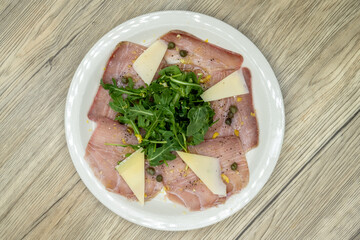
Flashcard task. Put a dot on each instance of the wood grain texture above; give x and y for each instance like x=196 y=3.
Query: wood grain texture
x=333 y=207
x=314 y=49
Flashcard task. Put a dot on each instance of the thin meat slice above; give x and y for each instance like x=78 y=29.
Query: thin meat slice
x=184 y=187
x=100 y=107
x=244 y=123
x=206 y=56
x=103 y=158
x=228 y=150
x=120 y=64
x=216 y=63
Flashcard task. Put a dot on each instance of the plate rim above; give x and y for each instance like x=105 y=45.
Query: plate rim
x=276 y=86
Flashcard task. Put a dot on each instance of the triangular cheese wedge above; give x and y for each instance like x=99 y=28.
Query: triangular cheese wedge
x=207 y=169
x=148 y=62
x=132 y=170
x=232 y=85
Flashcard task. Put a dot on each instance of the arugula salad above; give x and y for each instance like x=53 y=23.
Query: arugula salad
x=168 y=115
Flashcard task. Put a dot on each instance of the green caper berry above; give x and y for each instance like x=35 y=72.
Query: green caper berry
x=228 y=121
x=183 y=53
x=230 y=115
x=171 y=45
x=234 y=166
x=124 y=80
x=233 y=109
x=150 y=171
x=159 y=178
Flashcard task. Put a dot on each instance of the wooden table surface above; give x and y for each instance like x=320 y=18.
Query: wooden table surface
x=314 y=49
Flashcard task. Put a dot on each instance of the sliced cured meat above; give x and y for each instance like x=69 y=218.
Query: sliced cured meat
x=120 y=64
x=206 y=56
x=100 y=107
x=180 y=183
x=215 y=64
x=244 y=123
x=228 y=150
x=184 y=187
x=103 y=158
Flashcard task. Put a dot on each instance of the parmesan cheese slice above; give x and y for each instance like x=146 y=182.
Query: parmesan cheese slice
x=132 y=170
x=232 y=85
x=207 y=169
x=148 y=62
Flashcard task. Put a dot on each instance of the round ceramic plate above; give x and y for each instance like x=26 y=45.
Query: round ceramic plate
x=159 y=213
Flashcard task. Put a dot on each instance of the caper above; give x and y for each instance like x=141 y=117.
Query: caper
x=159 y=178
x=124 y=80
x=183 y=53
x=230 y=115
x=233 y=109
x=150 y=171
x=171 y=45
x=228 y=121
x=234 y=166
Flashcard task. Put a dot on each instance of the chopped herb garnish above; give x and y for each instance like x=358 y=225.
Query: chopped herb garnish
x=168 y=115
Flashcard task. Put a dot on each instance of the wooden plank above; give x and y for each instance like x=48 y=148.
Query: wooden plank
x=323 y=202
x=312 y=46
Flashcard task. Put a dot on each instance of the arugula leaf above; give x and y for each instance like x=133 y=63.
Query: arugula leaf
x=199 y=123
x=169 y=113
x=169 y=71
x=198 y=120
x=162 y=154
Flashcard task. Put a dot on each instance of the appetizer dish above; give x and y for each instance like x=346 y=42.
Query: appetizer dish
x=177 y=116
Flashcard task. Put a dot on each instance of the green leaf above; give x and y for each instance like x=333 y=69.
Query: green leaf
x=153 y=125
x=198 y=120
x=199 y=123
x=169 y=71
x=163 y=153
x=169 y=113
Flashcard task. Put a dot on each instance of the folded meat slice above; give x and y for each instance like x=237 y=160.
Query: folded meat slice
x=120 y=64
x=244 y=123
x=201 y=55
x=100 y=107
x=184 y=187
x=103 y=158
x=215 y=64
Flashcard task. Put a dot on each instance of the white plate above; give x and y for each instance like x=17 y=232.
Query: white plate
x=160 y=213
